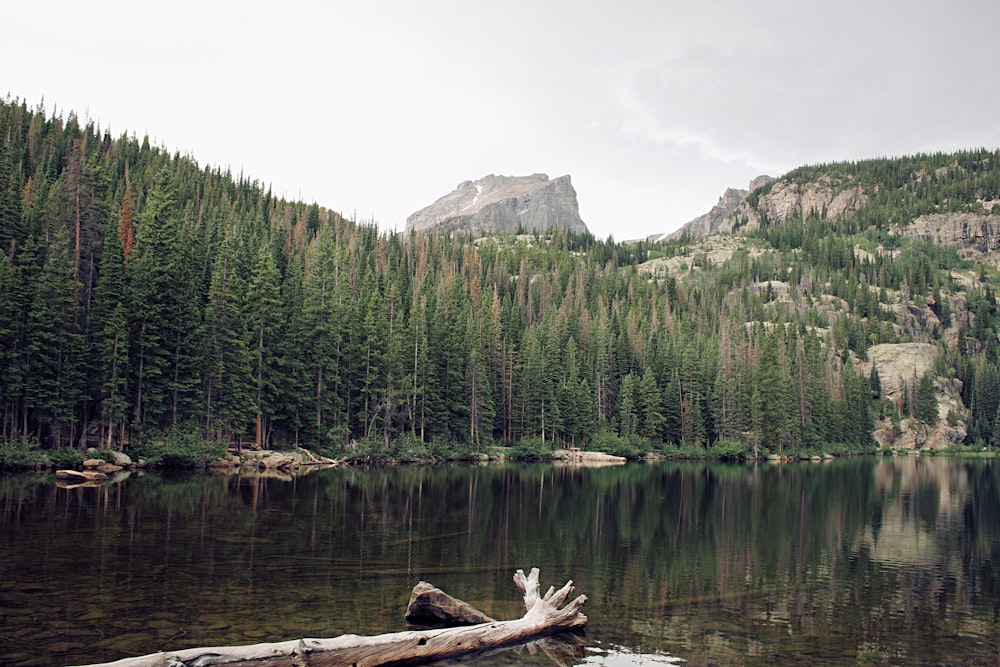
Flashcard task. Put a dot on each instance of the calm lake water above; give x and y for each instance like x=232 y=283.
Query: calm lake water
x=866 y=561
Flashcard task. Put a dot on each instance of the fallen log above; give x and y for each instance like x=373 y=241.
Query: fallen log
x=545 y=615
x=82 y=475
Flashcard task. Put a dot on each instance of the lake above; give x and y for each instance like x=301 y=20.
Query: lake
x=864 y=561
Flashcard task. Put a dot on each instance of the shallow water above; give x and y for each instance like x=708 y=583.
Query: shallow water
x=862 y=561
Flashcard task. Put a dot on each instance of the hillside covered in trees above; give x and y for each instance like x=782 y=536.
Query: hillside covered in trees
x=144 y=296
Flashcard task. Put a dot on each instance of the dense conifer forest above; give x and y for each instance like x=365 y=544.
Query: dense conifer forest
x=145 y=297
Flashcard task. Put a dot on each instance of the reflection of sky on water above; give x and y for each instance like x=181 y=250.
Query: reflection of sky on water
x=622 y=657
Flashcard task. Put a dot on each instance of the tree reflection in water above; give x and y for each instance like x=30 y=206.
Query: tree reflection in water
x=857 y=561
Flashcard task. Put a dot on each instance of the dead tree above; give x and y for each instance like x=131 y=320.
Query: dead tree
x=545 y=615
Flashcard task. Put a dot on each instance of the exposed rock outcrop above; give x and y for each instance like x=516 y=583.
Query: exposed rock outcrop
x=498 y=204
x=708 y=251
x=713 y=221
x=975 y=235
x=709 y=223
x=900 y=365
x=785 y=200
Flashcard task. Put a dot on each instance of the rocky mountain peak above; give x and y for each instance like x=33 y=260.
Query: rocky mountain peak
x=496 y=204
x=713 y=221
x=760 y=181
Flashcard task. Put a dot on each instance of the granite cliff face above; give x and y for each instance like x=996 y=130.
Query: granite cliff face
x=497 y=204
x=779 y=201
x=785 y=200
x=898 y=364
x=976 y=236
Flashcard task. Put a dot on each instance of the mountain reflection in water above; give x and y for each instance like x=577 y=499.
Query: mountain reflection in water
x=859 y=561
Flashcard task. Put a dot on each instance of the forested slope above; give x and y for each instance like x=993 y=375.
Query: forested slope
x=146 y=295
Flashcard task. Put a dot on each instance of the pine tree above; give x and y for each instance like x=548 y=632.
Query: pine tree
x=322 y=338
x=601 y=369
x=772 y=396
x=398 y=345
x=875 y=383
x=263 y=312
x=126 y=232
x=855 y=417
x=291 y=379
x=533 y=406
x=573 y=397
x=149 y=277
x=55 y=374
x=693 y=393
x=114 y=405
x=447 y=410
x=12 y=227
x=628 y=409
x=651 y=418
x=110 y=342
x=10 y=315
x=419 y=368
x=817 y=422
x=731 y=391
x=672 y=409
x=229 y=390
x=479 y=391
x=21 y=277
x=925 y=400
x=374 y=372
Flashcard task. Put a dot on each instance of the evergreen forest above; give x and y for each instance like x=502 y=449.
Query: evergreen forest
x=147 y=297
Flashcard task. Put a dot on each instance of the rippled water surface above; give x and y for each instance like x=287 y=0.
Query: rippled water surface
x=863 y=562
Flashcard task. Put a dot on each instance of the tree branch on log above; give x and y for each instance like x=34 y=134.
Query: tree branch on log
x=544 y=615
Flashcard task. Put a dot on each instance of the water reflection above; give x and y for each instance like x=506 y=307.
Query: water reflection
x=864 y=561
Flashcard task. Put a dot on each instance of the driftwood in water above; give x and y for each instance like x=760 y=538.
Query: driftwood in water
x=554 y=612
x=82 y=475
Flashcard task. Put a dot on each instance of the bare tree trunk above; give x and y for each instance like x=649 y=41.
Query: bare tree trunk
x=545 y=615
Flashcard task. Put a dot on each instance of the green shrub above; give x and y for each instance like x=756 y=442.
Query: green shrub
x=531 y=448
x=413 y=449
x=21 y=454
x=977 y=447
x=66 y=458
x=359 y=451
x=685 y=451
x=729 y=450
x=444 y=448
x=630 y=446
x=178 y=447
x=337 y=437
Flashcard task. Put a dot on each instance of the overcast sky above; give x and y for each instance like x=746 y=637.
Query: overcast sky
x=376 y=108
